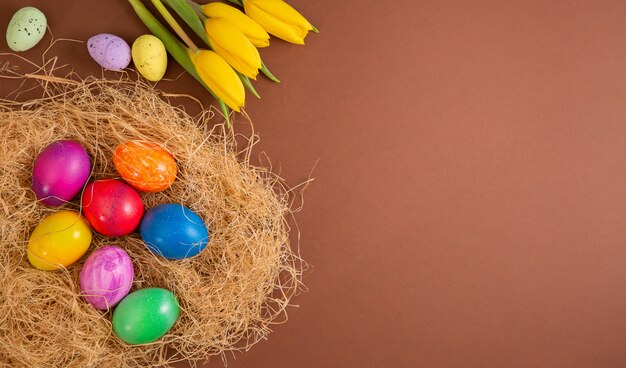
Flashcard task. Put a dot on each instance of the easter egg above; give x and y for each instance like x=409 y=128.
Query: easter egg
x=26 y=29
x=112 y=207
x=58 y=241
x=60 y=171
x=174 y=231
x=150 y=57
x=145 y=315
x=106 y=277
x=110 y=51
x=146 y=166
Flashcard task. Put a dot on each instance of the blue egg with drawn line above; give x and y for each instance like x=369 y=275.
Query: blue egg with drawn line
x=174 y=231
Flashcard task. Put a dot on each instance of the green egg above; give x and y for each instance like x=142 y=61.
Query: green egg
x=145 y=315
x=26 y=29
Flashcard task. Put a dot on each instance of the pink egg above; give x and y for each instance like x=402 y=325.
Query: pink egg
x=60 y=172
x=110 y=51
x=106 y=277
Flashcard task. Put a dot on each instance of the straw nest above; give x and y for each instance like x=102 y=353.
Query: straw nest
x=229 y=295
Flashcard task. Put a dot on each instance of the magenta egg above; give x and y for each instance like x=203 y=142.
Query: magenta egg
x=60 y=171
x=106 y=277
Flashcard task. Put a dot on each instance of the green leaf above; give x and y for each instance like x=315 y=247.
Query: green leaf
x=175 y=48
x=268 y=74
x=246 y=82
x=188 y=14
x=197 y=8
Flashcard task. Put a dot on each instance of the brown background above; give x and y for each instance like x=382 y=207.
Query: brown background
x=469 y=202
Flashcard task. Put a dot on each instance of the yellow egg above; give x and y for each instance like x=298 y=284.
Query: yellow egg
x=150 y=57
x=58 y=241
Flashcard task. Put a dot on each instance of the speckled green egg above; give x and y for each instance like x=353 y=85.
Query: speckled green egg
x=150 y=57
x=26 y=29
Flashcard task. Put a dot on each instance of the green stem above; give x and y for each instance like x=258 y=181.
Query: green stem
x=174 y=24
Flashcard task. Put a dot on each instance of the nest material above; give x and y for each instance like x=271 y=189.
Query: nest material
x=229 y=294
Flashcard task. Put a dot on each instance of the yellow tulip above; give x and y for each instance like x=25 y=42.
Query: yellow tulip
x=219 y=77
x=251 y=29
x=231 y=44
x=279 y=18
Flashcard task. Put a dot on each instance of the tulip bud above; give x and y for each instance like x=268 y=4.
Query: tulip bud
x=251 y=29
x=219 y=77
x=231 y=44
x=279 y=19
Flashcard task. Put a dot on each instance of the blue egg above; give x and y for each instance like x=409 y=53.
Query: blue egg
x=174 y=231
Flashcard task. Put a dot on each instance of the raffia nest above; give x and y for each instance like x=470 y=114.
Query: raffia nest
x=229 y=295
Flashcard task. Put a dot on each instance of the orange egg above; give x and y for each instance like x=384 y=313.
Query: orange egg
x=146 y=166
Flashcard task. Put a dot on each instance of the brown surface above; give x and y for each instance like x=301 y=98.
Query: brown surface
x=469 y=202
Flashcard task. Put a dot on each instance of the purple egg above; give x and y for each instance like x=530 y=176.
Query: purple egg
x=60 y=172
x=106 y=277
x=110 y=51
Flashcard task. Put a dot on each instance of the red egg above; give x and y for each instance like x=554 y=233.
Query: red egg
x=112 y=207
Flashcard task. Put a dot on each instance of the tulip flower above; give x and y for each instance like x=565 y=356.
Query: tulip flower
x=231 y=44
x=251 y=29
x=279 y=19
x=219 y=77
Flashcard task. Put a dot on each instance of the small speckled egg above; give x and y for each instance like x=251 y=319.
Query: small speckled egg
x=110 y=51
x=150 y=57
x=146 y=166
x=26 y=29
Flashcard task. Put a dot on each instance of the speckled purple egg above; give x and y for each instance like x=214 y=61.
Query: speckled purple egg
x=106 y=277
x=60 y=172
x=110 y=51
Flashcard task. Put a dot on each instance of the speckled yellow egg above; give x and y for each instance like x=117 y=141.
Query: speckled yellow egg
x=150 y=57
x=146 y=166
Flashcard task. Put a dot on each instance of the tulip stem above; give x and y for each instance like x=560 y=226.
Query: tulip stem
x=175 y=26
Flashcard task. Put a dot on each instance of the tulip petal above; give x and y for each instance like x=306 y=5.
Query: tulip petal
x=220 y=77
x=228 y=41
x=251 y=29
x=279 y=9
x=275 y=25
